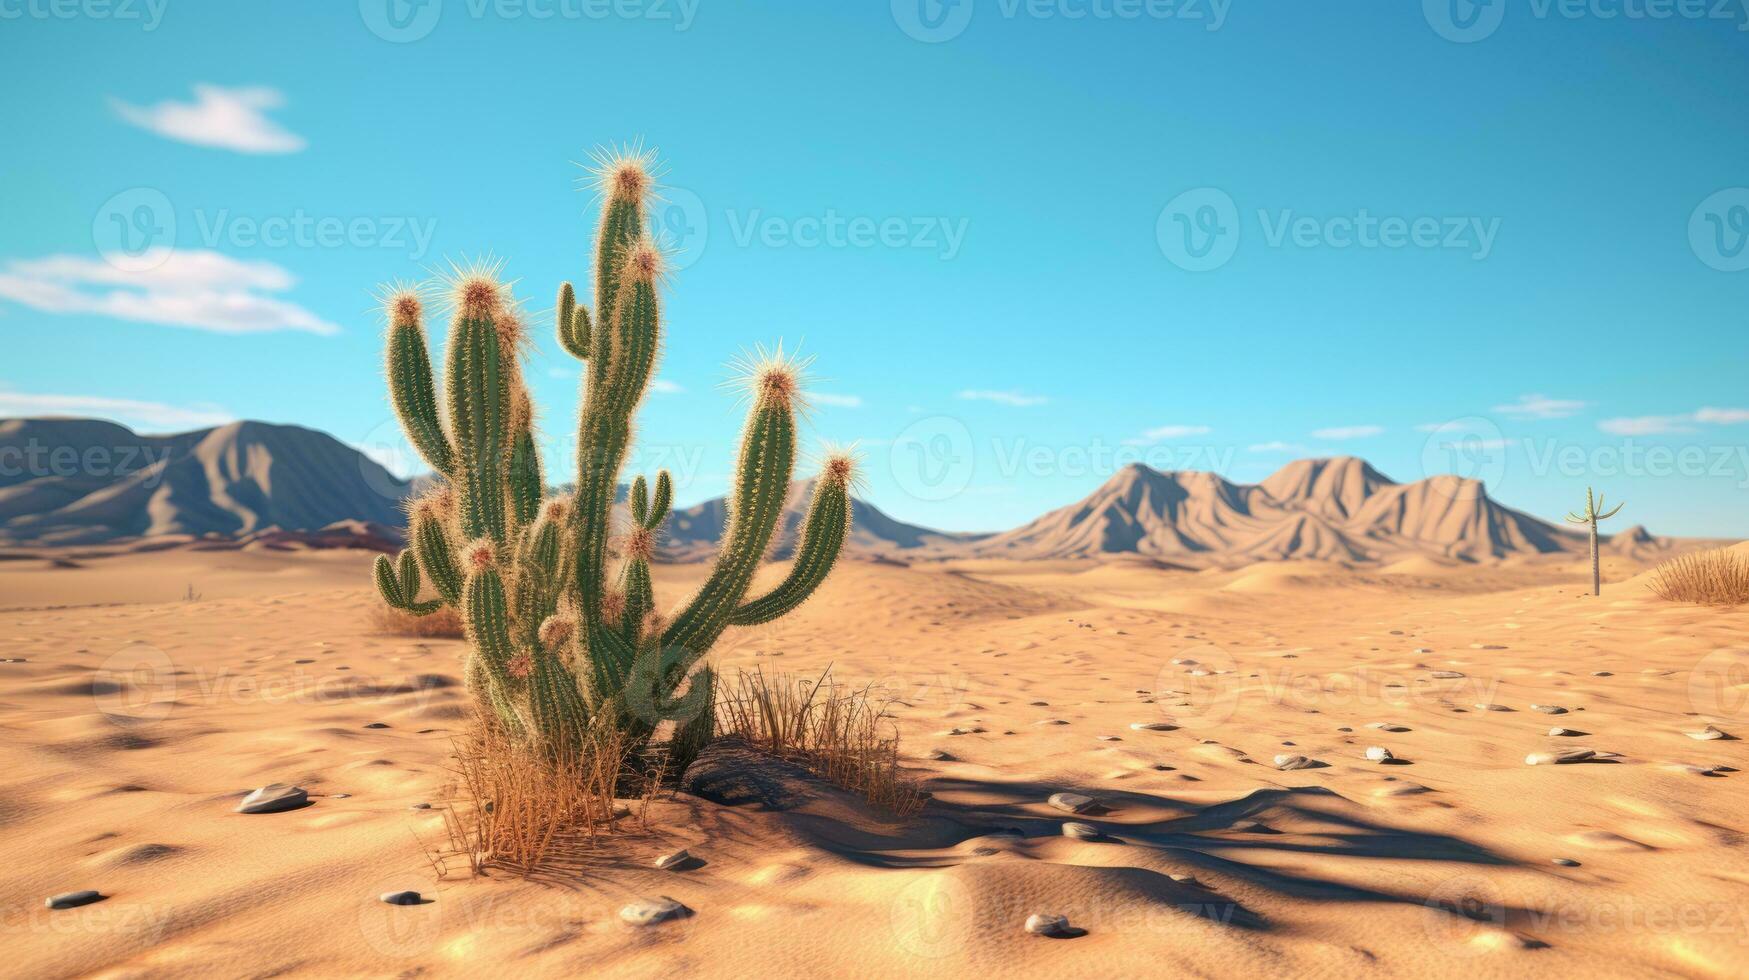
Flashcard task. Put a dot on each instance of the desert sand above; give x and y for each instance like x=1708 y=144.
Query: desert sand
x=136 y=718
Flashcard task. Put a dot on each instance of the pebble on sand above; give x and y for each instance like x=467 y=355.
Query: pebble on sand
x=1448 y=675
x=1152 y=726
x=71 y=900
x=401 y=898
x=1559 y=757
x=1387 y=726
x=1549 y=709
x=649 y=912
x=273 y=798
x=1378 y=753
x=1047 y=925
x=668 y=861
x=1081 y=831
x=1071 y=802
x=1288 y=763
x=1706 y=734
x=1566 y=862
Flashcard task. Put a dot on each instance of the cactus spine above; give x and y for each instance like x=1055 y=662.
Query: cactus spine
x=560 y=639
x=1590 y=518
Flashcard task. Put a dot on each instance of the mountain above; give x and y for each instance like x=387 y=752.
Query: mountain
x=79 y=481
x=692 y=534
x=1337 y=509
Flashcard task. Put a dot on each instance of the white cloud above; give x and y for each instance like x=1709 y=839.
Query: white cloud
x=153 y=416
x=1655 y=425
x=1540 y=407
x=662 y=386
x=1349 y=432
x=1014 y=399
x=1176 y=431
x=1278 y=447
x=227 y=118
x=1722 y=416
x=842 y=401
x=201 y=290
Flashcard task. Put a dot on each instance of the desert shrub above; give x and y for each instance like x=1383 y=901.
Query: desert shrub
x=844 y=735
x=1714 y=578
x=445 y=623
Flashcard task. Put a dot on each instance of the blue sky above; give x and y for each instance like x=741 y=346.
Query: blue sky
x=1027 y=242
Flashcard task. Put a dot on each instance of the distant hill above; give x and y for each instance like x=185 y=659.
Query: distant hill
x=1328 y=509
x=692 y=534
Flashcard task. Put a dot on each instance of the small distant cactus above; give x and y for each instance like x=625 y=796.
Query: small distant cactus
x=1590 y=518
x=562 y=641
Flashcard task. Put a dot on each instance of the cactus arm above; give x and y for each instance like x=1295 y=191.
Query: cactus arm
x=431 y=545
x=658 y=511
x=478 y=410
x=693 y=733
x=639 y=498
x=1607 y=516
x=526 y=482
x=572 y=322
x=487 y=618
x=640 y=598
x=410 y=385
x=387 y=584
x=823 y=532
x=761 y=482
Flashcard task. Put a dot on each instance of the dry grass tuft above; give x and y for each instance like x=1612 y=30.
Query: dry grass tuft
x=843 y=735
x=1712 y=578
x=521 y=810
x=444 y=623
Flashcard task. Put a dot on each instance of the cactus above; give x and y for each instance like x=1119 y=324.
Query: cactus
x=562 y=625
x=1590 y=517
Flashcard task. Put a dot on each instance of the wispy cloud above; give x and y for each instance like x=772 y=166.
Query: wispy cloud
x=153 y=416
x=201 y=290
x=1166 y=432
x=1540 y=407
x=1654 y=425
x=841 y=401
x=1349 y=432
x=663 y=386
x=1012 y=398
x=1278 y=447
x=226 y=118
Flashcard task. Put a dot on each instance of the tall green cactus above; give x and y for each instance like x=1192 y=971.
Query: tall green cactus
x=562 y=641
x=1594 y=512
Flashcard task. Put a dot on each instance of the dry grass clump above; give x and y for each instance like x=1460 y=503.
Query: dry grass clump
x=843 y=735
x=442 y=624
x=520 y=809
x=1714 y=578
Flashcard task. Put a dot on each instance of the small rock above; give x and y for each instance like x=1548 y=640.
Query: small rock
x=621 y=810
x=1288 y=763
x=652 y=911
x=1051 y=721
x=273 y=798
x=1448 y=675
x=1602 y=673
x=1378 y=753
x=1387 y=726
x=667 y=861
x=1549 y=709
x=1706 y=734
x=1492 y=707
x=1566 y=862
x=1559 y=757
x=340 y=796
x=1559 y=732
x=1071 y=802
x=400 y=898
x=937 y=755
x=1047 y=925
x=376 y=724
x=1109 y=738
x=1184 y=879
x=1153 y=726
x=71 y=900
x=1081 y=831
x=420 y=806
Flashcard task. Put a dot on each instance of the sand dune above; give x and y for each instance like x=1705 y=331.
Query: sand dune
x=136 y=721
